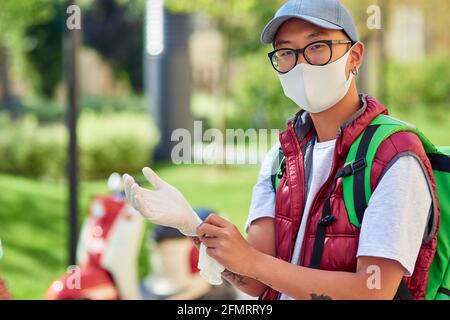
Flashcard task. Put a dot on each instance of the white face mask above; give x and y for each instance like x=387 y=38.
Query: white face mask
x=317 y=88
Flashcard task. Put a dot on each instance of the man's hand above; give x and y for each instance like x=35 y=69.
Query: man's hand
x=225 y=244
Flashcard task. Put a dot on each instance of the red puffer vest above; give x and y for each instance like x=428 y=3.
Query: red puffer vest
x=341 y=242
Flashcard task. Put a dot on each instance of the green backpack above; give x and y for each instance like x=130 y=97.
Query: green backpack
x=357 y=191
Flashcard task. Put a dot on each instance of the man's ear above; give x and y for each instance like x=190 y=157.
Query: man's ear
x=357 y=55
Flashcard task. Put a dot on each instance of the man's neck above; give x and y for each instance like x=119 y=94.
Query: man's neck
x=328 y=122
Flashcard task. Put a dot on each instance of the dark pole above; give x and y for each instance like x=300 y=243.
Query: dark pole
x=168 y=79
x=72 y=86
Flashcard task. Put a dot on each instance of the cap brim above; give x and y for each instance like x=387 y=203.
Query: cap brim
x=272 y=27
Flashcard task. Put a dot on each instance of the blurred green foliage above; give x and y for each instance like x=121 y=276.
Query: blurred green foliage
x=50 y=111
x=32 y=31
x=16 y=18
x=43 y=52
x=28 y=150
x=17 y=15
x=425 y=84
x=115 y=143
x=107 y=143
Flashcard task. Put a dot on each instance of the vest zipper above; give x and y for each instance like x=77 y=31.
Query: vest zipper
x=318 y=196
x=298 y=148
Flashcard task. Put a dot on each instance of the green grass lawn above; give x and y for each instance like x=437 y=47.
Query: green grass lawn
x=33 y=218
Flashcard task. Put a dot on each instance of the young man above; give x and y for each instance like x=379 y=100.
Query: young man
x=317 y=56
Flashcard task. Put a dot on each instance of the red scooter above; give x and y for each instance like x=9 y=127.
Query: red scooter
x=108 y=251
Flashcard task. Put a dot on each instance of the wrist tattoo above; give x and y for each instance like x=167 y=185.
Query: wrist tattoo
x=319 y=297
x=234 y=278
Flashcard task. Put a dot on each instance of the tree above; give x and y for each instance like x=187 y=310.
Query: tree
x=115 y=30
x=15 y=17
x=44 y=55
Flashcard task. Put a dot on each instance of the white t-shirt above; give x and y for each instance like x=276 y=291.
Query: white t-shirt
x=394 y=221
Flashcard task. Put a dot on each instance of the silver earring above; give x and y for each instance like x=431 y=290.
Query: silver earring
x=355 y=71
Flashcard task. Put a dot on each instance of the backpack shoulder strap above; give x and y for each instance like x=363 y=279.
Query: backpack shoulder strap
x=356 y=172
x=278 y=167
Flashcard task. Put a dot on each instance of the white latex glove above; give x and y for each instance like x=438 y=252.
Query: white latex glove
x=209 y=268
x=167 y=206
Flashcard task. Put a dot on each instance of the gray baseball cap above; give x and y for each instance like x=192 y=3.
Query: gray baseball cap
x=328 y=14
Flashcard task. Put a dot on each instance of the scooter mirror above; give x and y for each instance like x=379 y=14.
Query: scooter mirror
x=115 y=183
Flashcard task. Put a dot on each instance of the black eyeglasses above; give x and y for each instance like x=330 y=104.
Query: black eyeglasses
x=317 y=53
